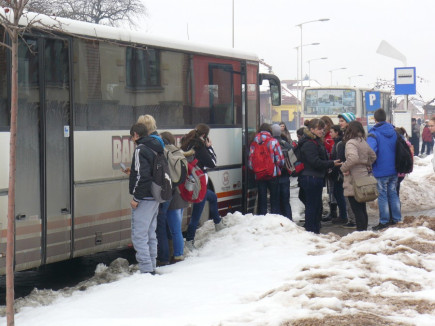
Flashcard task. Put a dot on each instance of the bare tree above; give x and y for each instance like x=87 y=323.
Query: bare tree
x=11 y=14
x=9 y=20
x=105 y=12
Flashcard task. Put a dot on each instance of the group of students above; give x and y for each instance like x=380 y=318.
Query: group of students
x=333 y=156
x=151 y=220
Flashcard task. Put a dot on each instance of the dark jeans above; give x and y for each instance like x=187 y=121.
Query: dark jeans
x=273 y=186
x=197 y=211
x=284 y=197
x=428 y=145
x=339 y=197
x=162 y=234
x=416 y=143
x=301 y=194
x=313 y=188
x=360 y=211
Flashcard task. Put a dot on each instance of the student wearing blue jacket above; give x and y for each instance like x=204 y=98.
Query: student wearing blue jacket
x=382 y=139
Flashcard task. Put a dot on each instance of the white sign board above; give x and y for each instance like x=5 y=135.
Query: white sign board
x=403 y=119
x=405 y=76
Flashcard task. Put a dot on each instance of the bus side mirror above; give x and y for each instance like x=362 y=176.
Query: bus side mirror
x=275 y=87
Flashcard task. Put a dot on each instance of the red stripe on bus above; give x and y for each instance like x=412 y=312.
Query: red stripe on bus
x=229 y=193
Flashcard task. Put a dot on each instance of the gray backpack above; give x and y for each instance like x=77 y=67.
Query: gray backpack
x=177 y=163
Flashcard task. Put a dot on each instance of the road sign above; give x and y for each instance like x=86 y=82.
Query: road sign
x=373 y=101
x=404 y=81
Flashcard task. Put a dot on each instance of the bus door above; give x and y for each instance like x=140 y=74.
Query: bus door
x=251 y=110
x=43 y=178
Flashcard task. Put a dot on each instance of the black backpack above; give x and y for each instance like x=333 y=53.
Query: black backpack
x=404 y=161
x=161 y=186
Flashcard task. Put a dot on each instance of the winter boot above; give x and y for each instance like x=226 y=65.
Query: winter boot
x=221 y=225
x=190 y=245
x=332 y=213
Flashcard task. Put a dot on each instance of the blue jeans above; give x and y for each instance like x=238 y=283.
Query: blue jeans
x=284 y=197
x=175 y=217
x=339 y=197
x=162 y=234
x=197 y=211
x=388 y=198
x=313 y=188
x=273 y=186
x=143 y=234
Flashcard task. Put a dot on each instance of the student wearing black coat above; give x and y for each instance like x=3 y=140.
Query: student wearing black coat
x=312 y=179
x=336 y=175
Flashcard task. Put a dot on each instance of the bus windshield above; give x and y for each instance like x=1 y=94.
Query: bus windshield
x=329 y=101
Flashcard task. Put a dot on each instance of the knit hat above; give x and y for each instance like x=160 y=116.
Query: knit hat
x=348 y=116
x=276 y=130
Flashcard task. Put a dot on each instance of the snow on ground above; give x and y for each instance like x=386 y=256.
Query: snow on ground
x=266 y=270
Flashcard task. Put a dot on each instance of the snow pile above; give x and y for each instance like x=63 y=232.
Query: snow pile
x=265 y=270
x=417 y=190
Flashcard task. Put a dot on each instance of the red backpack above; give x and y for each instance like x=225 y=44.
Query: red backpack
x=262 y=160
x=194 y=188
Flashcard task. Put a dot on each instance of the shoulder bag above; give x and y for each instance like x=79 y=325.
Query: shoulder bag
x=365 y=188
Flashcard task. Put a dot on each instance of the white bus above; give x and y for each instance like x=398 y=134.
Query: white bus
x=331 y=101
x=80 y=90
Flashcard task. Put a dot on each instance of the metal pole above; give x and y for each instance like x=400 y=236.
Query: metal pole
x=309 y=72
x=302 y=89
x=233 y=24
x=297 y=88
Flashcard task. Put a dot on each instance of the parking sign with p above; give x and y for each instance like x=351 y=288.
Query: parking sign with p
x=373 y=101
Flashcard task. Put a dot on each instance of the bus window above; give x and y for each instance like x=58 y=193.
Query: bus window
x=329 y=101
x=217 y=89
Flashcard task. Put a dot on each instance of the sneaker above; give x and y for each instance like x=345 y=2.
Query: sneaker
x=327 y=218
x=349 y=225
x=221 y=225
x=190 y=245
x=380 y=226
x=177 y=259
x=339 y=220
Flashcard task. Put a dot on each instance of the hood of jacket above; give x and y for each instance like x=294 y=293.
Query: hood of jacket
x=262 y=137
x=151 y=142
x=385 y=129
x=308 y=135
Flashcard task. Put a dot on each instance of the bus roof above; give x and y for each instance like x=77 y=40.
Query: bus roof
x=349 y=87
x=96 y=31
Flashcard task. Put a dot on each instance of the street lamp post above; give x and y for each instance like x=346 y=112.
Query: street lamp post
x=350 y=78
x=330 y=71
x=301 y=58
x=309 y=67
x=299 y=88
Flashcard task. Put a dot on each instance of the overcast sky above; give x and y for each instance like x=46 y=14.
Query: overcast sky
x=349 y=39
